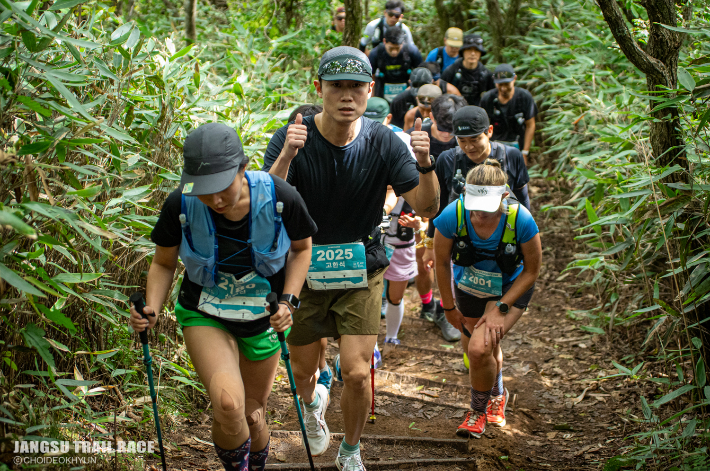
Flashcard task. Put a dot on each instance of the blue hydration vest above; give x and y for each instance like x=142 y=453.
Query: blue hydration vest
x=269 y=244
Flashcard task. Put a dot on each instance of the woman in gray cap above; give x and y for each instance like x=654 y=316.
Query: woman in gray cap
x=232 y=230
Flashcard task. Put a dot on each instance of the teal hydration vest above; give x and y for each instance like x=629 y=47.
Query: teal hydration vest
x=267 y=242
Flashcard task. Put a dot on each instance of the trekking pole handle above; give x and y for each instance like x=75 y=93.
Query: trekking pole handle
x=139 y=303
x=273 y=300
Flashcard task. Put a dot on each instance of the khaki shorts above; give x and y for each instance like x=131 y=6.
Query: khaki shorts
x=338 y=312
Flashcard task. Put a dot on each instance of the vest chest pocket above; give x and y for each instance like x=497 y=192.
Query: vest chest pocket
x=337 y=266
x=482 y=284
x=240 y=300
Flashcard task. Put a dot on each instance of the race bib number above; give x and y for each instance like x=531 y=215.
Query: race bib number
x=239 y=300
x=337 y=266
x=394 y=89
x=482 y=284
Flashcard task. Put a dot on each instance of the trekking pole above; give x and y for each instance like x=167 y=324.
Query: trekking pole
x=138 y=302
x=273 y=301
x=372 y=380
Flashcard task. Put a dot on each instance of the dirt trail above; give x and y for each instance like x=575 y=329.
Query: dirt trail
x=559 y=416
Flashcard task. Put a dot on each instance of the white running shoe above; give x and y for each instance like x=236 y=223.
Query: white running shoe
x=349 y=463
x=316 y=428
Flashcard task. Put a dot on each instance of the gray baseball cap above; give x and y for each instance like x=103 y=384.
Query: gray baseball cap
x=345 y=63
x=213 y=153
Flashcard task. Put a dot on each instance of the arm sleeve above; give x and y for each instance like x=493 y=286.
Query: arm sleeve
x=446 y=221
x=298 y=223
x=522 y=195
x=167 y=231
x=273 y=150
x=408 y=35
x=367 y=36
x=526 y=226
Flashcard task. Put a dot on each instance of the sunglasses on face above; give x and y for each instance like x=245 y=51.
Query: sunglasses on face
x=394 y=14
x=504 y=75
x=424 y=101
x=340 y=18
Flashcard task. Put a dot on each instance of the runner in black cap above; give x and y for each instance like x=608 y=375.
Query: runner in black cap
x=335 y=158
x=392 y=63
x=230 y=338
x=408 y=98
x=511 y=110
x=467 y=73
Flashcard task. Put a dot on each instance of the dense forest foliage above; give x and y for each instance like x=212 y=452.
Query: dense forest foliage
x=96 y=99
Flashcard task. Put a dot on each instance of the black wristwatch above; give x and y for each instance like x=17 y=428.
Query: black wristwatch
x=291 y=299
x=425 y=170
x=502 y=307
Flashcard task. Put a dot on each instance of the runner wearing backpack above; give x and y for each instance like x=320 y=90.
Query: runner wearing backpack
x=448 y=53
x=495 y=247
x=468 y=74
x=232 y=230
x=392 y=63
x=376 y=29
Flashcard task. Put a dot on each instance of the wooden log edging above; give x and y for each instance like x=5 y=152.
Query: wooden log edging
x=389 y=464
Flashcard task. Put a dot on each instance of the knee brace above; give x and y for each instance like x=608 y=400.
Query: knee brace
x=227 y=405
x=256 y=417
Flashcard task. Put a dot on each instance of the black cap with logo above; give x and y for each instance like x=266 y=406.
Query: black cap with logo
x=471 y=121
x=504 y=73
x=213 y=153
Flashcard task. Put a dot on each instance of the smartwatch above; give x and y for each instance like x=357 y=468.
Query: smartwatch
x=502 y=307
x=290 y=299
x=425 y=170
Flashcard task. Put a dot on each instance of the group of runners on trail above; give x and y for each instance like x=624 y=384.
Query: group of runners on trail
x=460 y=211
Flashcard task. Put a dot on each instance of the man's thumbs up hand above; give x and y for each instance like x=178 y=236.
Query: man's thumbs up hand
x=296 y=136
x=420 y=144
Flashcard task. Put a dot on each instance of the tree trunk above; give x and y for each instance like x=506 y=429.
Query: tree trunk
x=190 y=17
x=291 y=14
x=659 y=61
x=353 y=23
x=501 y=24
x=443 y=14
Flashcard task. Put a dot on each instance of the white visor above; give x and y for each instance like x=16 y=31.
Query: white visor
x=484 y=198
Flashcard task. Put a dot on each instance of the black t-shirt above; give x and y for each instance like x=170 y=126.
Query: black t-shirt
x=509 y=120
x=298 y=225
x=388 y=69
x=511 y=161
x=402 y=103
x=345 y=187
x=470 y=82
x=436 y=147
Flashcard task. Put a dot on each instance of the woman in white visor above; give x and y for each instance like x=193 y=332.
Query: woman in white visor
x=494 y=245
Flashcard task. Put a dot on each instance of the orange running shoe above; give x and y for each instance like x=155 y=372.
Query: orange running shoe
x=473 y=425
x=495 y=411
